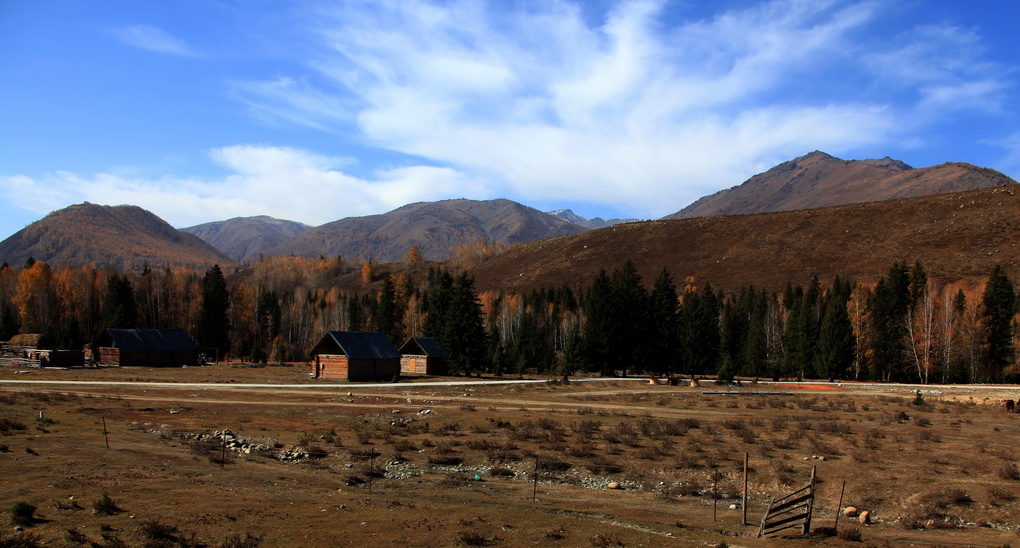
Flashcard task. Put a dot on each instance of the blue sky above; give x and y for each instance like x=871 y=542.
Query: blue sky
x=203 y=110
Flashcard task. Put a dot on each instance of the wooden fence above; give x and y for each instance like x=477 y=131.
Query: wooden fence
x=790 y=511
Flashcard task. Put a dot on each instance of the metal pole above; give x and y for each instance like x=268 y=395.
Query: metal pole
x=743 y=503
x=223 y=451
x=371 y=472
x=715 y=494
x=534 y=490
x=839 y=507
x=105 y=433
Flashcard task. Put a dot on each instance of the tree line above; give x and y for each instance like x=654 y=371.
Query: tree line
x=905 y=326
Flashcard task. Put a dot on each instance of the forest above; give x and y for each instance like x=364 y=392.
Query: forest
x=906 y=327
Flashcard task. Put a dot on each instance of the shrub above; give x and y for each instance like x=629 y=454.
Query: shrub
x=105 y=506
x=155 y=530
x=446 y=460
x=852 y=534
x=501 y=472
x=22 y=513
x=7 y=425
x=1009 y=472
x=237 y=541
x=474 y=538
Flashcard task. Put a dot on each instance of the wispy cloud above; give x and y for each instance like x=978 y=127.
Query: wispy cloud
x=153 y=39
x=277 y=181
x=645 y=107
x=637 y=107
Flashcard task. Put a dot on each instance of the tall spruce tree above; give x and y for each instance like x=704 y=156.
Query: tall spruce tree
x=213 y=320
x=465 y=327
x=889 y=304
x=1000 y=305
x=699 y=331
x=633 y=334
x=119 y=308
x=665 y=324
x=600 y=325
x=836 y=342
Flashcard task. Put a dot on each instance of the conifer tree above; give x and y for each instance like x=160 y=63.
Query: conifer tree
x=600 y=326
x=119 y=309
x=664 y=316
x=836 y=343
x=213 y=321
x=1000 y=305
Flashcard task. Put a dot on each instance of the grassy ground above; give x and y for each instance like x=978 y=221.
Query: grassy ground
x=447 y=466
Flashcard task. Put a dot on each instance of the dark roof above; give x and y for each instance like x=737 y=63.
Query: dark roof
x=428 y=346
x=360 y=344
x=147 y=340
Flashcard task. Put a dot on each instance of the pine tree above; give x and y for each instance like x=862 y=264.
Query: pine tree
x=1000 y=305
x=465 y=328
x=600 y=326
x=889 y=304
x=699 y=331
x=386 y=313
x=836 y=343
x=213 y=321
x=665 y=324
x=119 y=310
x=632 y=337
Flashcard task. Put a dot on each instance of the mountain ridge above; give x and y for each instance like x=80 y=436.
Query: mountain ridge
x=818 y=179
x=126 y=237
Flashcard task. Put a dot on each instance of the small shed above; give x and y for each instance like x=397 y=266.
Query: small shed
x=145 y=347
x=355 y=356
x=422 y=355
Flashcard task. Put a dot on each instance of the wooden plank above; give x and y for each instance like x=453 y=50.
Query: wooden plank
x=774 y=531
x=779 y=508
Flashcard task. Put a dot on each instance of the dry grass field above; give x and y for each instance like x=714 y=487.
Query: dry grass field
x=455 y=465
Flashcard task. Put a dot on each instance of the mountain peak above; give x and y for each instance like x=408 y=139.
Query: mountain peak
x=818 y=179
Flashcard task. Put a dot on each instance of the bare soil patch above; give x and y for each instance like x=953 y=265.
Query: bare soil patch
x=455 y=465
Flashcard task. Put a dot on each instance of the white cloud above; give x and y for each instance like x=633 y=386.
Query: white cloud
x=637 y=109
x=153 y=39
x=277 y=181
x=648 y=108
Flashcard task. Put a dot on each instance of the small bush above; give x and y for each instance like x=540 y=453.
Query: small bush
x=1009 y=472
x=7 y=425
x=22 y=513
x=105 y=506
x=446 y=460
x=155 y=530
x=237 y=541
x=501 y=472
x=474 y=538
x=851 y=534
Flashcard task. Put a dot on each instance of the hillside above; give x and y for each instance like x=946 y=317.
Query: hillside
x=124 y=237
x=436 y=227
x=957 y=236
x=243 y=238
x=820 y=180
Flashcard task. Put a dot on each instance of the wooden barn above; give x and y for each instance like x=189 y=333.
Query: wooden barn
x=145 y=347
x=355 y=356
x=424 y=356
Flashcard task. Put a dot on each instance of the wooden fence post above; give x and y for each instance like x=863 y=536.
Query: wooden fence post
x=743 y=502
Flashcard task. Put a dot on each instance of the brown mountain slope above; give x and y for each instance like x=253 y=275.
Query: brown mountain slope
x=123 y=237
x=436 y=227
x=820 y=180
x=957 y=236
x=242 y=238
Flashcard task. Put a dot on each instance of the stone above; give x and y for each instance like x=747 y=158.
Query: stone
x=864 y=518
x=614 y=485
x=850 y=512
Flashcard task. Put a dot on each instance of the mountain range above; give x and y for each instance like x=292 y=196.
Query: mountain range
x=820 y=180
x=243 y=238
x=128 y=237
